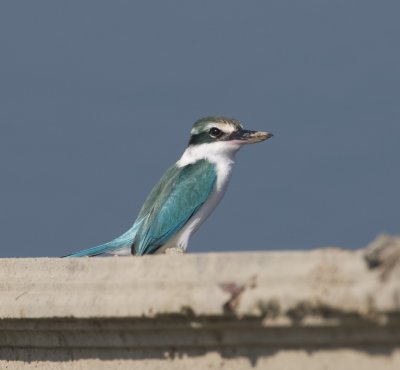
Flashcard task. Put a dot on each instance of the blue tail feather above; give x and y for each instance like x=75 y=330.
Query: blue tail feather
x=98 y=250
x=112 y=247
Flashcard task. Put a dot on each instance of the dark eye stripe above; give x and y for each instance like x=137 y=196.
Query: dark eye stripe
x=206 y=136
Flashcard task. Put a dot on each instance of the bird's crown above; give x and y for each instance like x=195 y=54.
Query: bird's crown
x=212 y=129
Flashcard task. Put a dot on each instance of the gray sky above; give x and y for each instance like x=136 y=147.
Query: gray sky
x=97 y=99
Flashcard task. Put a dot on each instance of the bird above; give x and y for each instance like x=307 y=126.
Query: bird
x=186 y=194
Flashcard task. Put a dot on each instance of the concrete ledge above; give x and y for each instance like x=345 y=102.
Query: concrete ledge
x=327 y=308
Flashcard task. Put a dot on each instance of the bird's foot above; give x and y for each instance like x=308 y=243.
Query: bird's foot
x=174 y=250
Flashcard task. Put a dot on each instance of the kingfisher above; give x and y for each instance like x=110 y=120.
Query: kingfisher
x=186 y=194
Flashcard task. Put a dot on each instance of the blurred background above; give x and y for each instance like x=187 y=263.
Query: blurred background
x=97 y=99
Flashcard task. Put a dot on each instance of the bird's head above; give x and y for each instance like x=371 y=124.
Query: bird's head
x=224 y=130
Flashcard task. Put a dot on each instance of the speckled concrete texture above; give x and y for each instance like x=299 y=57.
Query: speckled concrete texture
x=324 y=309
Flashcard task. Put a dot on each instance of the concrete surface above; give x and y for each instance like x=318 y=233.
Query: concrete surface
x=323 y=309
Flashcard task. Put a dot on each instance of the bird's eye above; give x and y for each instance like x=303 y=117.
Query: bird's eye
x=215 y=132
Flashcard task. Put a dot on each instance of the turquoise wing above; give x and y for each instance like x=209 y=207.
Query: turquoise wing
x=178 y=195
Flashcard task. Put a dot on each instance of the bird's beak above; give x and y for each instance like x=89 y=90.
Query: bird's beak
x=250 y=137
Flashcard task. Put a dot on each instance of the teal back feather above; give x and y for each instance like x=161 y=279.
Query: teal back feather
x=178 y=195
x=171 y=203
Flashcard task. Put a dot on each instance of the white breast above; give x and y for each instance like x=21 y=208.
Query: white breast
x=221 y=154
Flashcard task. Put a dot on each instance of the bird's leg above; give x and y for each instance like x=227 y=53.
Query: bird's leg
x=174 y=250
